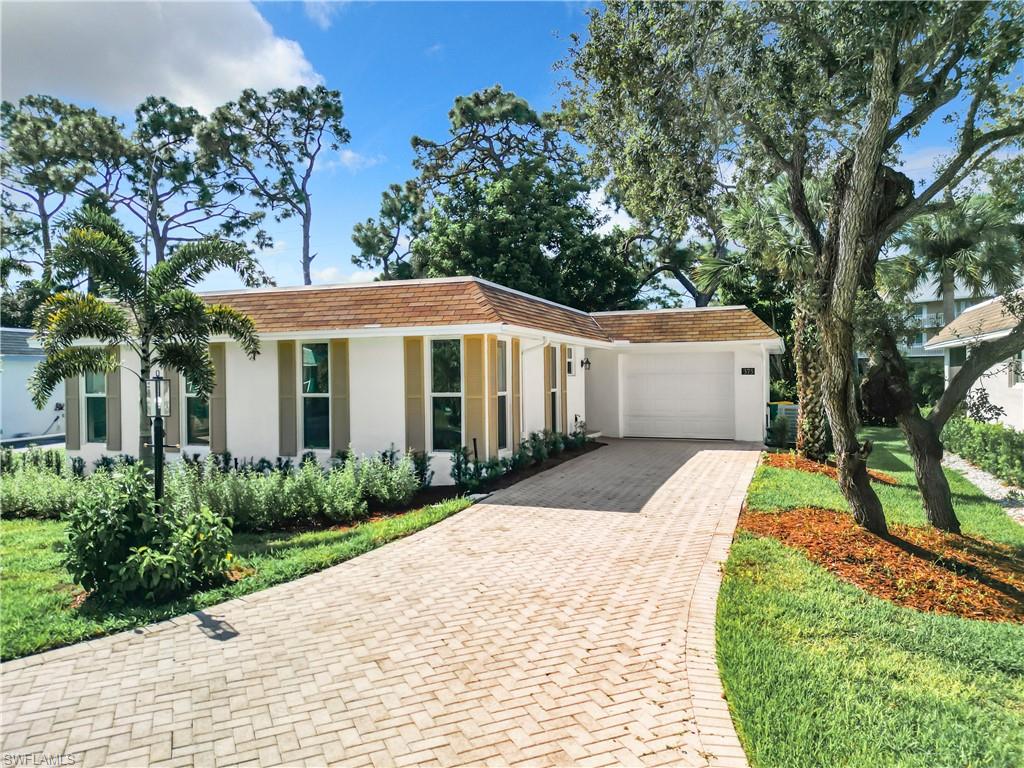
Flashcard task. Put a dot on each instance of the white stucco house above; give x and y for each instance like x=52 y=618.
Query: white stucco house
x=431 y=365
x=19 y=420
x=1004 y=382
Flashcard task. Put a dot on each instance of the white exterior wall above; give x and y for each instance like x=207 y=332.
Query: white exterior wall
x=602 y=395
x=533 y=383
x=251 y=406
x=377 y=394
x=576 y=388
x=996 y=381
x=18 y=416
x=131 y=394
x=751 y=393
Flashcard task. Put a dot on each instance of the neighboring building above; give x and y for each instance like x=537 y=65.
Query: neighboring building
x=432 y=365
x=927 y=304
x=19 y=419
x=1003 y=382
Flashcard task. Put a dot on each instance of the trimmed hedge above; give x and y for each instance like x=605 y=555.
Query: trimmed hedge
x=995 y=448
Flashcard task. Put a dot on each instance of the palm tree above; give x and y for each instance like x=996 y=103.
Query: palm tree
x=977 y=243
x=774 y=242
x=156 y=314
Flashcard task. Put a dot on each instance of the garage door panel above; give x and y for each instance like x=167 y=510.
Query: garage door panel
x=679 y=395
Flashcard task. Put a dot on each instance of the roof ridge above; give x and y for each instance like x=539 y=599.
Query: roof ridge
x=340 y=286
x=667 y=309
x=484 y=301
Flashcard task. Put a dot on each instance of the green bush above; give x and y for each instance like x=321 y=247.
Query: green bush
x=34 y=491
x=538 y=447
x=121 y=547
x=466 y=473
x=389 y=482
x=52 y=460
x=995 y=448
x=343 y=495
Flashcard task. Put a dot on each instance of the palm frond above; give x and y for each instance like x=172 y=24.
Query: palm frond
x=64 y=363
x=104 y=257
x=229 y=321
x=68 y=316
x=190 y=358
x=191 y=262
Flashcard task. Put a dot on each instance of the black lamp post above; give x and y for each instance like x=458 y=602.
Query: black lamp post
x=158 y=405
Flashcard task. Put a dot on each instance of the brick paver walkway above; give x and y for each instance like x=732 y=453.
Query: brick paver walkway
x=567 y=620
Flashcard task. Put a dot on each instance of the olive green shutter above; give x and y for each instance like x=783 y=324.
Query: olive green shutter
x=286 y=405
x=546 y=353
x=415 y=406
x=473 y=394
x=517 y=428
x=113 y=406
x=172 y=424
x=340 y=419
x=219 y=399
x=564 y=387
x=73 y=413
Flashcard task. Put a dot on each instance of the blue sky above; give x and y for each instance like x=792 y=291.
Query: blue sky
x=399 y=66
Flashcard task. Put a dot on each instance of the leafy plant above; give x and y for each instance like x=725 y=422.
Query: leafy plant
x=421 y=463
x=538 y=447
x=120 y=547
x=778 y=432
x=466 y=473
x=343 y=494
x=32 y=491
x=391 y=484
x=996 y=448
x=980 y=408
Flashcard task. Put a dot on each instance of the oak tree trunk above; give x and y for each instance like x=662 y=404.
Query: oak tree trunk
x=926 y=450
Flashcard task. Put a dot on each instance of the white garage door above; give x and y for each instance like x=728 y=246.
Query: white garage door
x=686 y=394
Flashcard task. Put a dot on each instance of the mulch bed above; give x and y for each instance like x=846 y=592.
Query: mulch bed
x=918 y=568
x=792 y=461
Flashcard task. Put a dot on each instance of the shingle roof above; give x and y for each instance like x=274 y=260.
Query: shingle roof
x=469 y=300
x=16 y=341
x=979 y=320
x=702 y=324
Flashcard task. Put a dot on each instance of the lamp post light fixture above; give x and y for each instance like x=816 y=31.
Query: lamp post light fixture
x=158 y=406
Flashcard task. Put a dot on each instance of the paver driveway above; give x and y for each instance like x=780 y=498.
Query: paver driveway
x=567 y=620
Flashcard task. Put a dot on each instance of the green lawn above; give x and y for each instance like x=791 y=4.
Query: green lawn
x=819 y=673
x=37 y=591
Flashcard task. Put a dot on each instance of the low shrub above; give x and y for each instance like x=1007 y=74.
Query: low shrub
x=52 y=460
x=343 y=495
x=555 y=442
x=470 y=475
x=390 y=482
x=538 y=447
x=121 y=547
x=34 y=491
x=421 y=462
x=996 y=448
x=466 y=473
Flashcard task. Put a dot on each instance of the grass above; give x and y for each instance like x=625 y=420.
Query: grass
x=819 y=673
x=38 y=594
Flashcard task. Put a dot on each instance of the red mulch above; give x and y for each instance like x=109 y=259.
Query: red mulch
x=918 y=568
x=792 y=461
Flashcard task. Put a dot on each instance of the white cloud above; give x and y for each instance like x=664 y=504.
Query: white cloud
x=350 y=160
x=434 y=50
x=116 y=54
x=322 y=12
x=336 y=275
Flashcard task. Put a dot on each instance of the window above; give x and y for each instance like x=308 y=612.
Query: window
x=553 y=385
x=957 y=356
x=197 y=417
x=316 y=397
x=446 y=394
x=502 y=363
x=570 y=362
x=95 y=407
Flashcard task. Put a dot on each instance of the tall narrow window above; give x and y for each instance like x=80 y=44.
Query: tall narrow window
x=553 y=385
x=446 y=394
x=96 y=407
x=570 y=362
x=316 y=397
x=502 y=365
x=197 y=416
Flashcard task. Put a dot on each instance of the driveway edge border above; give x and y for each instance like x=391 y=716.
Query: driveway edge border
x=720 y=745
